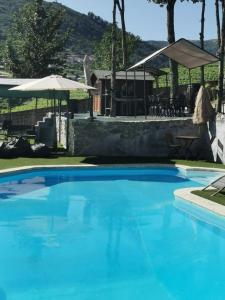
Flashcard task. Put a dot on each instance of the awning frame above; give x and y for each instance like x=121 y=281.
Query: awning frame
x=160 y=52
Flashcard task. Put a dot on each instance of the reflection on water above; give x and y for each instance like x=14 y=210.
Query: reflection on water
x=65 y=237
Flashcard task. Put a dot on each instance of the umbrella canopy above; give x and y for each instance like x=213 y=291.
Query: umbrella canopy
x=203 y=108
x=53 y=83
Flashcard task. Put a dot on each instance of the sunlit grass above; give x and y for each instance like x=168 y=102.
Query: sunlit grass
x=44 y=103
x=211 y=74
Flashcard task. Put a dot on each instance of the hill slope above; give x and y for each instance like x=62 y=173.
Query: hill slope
x=85 y=31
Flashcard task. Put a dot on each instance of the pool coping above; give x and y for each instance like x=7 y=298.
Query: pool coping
x=186 y=194
x=184 y=167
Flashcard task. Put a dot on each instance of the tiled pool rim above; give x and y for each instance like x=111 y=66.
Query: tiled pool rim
x=184 y=194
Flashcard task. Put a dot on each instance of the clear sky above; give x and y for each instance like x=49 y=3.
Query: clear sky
x=149 y=20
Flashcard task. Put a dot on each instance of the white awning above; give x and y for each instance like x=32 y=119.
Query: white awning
x=183 y=52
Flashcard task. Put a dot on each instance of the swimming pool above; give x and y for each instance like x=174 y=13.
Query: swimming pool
x=106 y=233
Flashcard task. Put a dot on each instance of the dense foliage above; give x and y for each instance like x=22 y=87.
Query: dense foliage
x=103 y=50
x=34 y=44
x=211 y=75
x=85 y=31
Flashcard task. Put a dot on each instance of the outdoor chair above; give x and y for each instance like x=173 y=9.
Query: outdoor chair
x=174 y=148
x=218 y=184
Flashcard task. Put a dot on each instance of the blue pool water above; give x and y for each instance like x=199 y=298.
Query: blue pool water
x=114 y=234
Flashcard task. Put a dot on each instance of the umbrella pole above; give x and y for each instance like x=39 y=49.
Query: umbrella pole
x=60 y=121
x=55 y=127
x=36 y=100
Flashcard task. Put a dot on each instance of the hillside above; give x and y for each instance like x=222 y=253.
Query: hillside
x=85 y=31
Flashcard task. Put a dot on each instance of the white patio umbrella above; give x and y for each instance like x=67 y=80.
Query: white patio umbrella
x=52 y=83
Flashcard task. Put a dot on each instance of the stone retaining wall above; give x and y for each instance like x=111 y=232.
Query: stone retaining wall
x=125 y=138
x=27 y=117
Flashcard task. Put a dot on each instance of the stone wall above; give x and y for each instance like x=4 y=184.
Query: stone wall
x=27 y=117
x=125 y=138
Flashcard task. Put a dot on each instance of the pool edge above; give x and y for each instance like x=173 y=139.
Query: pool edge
x=36 y=167
x=186 y=194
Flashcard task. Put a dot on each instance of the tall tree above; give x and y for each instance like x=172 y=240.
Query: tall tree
x=170 y=4
x=103 y=50
x=202 y=43
x=221 y=64
x=113 y=61
x=121 y=7
x=217 y=8
x=34 y=43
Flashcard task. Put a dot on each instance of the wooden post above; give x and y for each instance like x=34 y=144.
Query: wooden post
x=190 y=87
x=127 y=108
x=135 y=100
x=90 y=105
x=36 y=104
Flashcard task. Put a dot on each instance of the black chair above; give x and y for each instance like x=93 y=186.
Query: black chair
x=174 y=148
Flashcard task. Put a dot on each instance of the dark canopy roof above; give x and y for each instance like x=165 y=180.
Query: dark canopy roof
x=121 y=75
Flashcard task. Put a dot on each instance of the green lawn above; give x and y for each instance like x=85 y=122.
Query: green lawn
x=211 y=74
x=68 y=160
x=218 y=198
x=42 y=103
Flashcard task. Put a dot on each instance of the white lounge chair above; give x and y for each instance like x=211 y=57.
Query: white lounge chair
x=218 y=184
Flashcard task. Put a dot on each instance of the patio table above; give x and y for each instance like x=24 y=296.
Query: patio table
x=186 y=143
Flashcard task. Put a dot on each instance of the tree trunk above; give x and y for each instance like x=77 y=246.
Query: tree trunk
x=202 y=40
x=171 y=39
x=221 y=66
x=121 y=7
x=113 y=75
x=218 y=22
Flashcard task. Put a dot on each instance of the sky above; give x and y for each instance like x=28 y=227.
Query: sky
x=148 y=20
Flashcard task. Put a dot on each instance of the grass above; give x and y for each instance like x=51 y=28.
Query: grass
x=211 y=74
x=43 y=103
x=69 y=160
x=218 y=198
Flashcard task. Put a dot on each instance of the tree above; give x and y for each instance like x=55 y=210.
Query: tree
x=202 y=38
x=217 y=2
x=103 y=51
x=121 y=7
x=113 y=62
x=170 y=5
x=34 y=44
x=221 y=64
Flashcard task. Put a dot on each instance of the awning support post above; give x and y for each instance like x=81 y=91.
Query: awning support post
x=145 y=104
x=135 y=100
